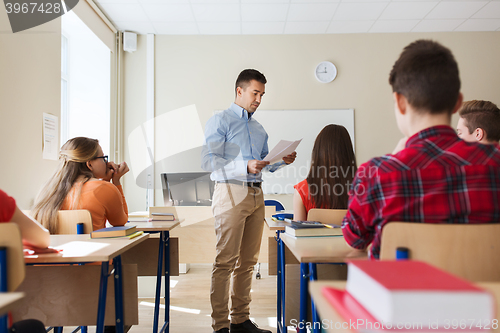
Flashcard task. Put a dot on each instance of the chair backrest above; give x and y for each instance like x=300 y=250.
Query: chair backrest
x=10 y=237
x=276 y=203
x=329 y=216
x=68 y=219
x=470 y=251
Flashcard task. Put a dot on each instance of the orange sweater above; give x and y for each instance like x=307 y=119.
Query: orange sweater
x=104 y=200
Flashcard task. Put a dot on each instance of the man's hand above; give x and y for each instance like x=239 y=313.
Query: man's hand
x=290 y=158
x=255 y=166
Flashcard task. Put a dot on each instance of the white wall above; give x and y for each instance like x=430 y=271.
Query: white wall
x=30 y=84
x=201 y=70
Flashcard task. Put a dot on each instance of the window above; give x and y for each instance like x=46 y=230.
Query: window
x=85 y=83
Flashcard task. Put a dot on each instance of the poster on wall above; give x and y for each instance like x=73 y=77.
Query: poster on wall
x=50 y=137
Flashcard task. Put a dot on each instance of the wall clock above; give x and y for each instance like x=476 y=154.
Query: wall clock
x=325 y=72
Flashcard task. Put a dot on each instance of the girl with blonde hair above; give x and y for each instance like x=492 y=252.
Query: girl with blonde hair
x=82 y=181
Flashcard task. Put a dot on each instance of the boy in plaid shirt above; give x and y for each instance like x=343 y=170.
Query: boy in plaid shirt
x=433 y=176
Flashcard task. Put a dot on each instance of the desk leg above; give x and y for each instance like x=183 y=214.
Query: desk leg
x=315 y=322
x=117 y=264
x=166 y=325
x=103 y=288
x=283 y=273
x=281 y=245
x=304 y=275
x=4 y=323
x=158 y=283
x=278 y=280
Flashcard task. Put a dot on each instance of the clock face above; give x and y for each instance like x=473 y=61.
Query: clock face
x=325 y=72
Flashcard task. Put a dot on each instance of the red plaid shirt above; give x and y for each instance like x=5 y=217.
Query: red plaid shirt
x=437 y=178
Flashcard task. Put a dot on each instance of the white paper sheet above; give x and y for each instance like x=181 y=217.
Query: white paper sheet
x=50 y=137
x=282 y=149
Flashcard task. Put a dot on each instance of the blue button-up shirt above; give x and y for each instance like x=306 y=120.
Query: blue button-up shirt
x=232 y=138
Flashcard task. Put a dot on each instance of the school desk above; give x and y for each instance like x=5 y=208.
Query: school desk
x=310 y=251
x=163 y=227
x=279 y=227
x=77 y=249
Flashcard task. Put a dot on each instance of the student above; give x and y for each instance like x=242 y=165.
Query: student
x=82 y=181
x=437 y=177
x=479 y=122
x=333 y=165
x=34 y=235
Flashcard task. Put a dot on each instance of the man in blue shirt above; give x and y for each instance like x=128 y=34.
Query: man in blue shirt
x=235 y=146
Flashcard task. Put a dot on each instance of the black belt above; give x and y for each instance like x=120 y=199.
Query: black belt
x=237 y=182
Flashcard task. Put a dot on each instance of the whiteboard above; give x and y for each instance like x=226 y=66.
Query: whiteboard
x=292 y=125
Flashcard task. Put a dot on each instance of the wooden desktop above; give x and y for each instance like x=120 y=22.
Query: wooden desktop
x=67 y=294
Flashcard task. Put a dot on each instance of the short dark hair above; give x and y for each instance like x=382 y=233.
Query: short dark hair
x=248 y=75
x=484 y=115
x=426 y=73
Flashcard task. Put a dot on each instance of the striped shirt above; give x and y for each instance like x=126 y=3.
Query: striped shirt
x=437 y=178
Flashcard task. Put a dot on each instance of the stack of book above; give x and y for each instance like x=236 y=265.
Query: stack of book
x=139 y=219
x=410 y=296
x=311 y=228
x=124 y=231
x=156 y=217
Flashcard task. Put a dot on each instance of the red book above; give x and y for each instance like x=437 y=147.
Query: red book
x=409 y=291
x=356 y=318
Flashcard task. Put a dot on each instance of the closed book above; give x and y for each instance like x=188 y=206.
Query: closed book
x=407 y=291
x=135 y=234
x=163 y=217
x=310 y=228
x=139 y=219
x=357 y=318
x=113 y=232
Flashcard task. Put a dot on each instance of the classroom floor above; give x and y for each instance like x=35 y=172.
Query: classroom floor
x=190 y=304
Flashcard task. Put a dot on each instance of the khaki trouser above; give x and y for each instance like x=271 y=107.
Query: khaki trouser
x=239 y=222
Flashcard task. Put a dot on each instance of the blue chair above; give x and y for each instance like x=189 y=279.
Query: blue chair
x=271 y=202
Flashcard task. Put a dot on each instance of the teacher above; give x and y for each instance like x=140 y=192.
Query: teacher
x=235 y=146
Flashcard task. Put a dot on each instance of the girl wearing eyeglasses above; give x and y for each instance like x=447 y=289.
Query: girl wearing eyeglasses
x=84 y=180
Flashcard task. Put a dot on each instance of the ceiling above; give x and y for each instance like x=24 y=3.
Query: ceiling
x=249 y=17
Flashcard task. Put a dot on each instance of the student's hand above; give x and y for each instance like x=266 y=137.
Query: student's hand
x=401 y=145
x=255 y=166
x=119 y=172
x=31 y=250
x=111 y=170
x=290 y=158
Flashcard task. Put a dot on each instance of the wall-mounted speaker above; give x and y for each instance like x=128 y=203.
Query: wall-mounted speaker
x=129 y=41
